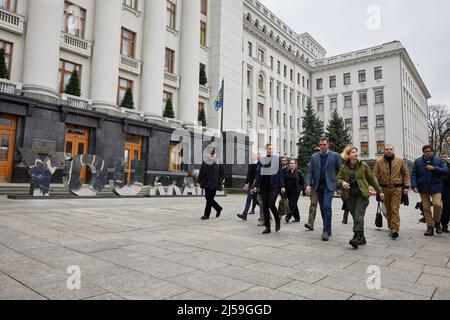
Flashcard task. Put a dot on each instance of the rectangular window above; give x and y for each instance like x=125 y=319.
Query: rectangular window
x=380 y=121
x=203 y=33
x=291 y=122
x=131 y=3
x=74 y=19
x=285 y=71
x=66 y=69
x=378 y=73
x=380 y=147
x=278 y=117
x=279 y=67
x=284 y=95
x=362 y=99
x=364 y=148
x=349 y=124
x=261 y=141
x=299 y=79
x=249 y=78
x=271 y=62
x=320 y=105
x=8 y=48
x=379 y=97
x=348 y=101
x=292 y=75
x=271 y=115
x=333 y=104
x=319 y=84
x=9 y=5
x=250 y=49
x=124 y=85
x=171 y=14
x=362 y=76
x=347 y=79
x=128 y=43
x=303 y=81
x=175 y=157
x=298 y=124
x=169 y=61
x=204 y=7
x=364 y=123
x=278 y=92
x=261 y=55
x=249 y=107
x=307 y=84
x=260 y=110
x=333 y=82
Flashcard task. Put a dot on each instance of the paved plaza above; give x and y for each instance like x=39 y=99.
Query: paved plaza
x=160 y=249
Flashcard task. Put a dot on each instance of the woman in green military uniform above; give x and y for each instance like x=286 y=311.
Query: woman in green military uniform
x=358 y=183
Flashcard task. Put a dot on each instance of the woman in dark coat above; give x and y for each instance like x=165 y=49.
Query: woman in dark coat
x=295 y=184
x=210 y=179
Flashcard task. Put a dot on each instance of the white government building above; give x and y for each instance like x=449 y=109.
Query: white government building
x=156 y=47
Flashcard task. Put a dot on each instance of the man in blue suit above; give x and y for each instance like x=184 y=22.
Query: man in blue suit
x=323 y=170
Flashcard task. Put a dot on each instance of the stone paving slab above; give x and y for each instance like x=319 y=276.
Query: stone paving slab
x=160 y=249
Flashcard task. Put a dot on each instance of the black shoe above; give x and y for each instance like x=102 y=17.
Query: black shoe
x=309 y=227
x=354 y=242
x=429 y=232
x=205 y=218
x=325 y=236
x=253 y=212
x=438 y=228
x=296 y=221
x=277 y=226
x=362 y=239
x=394 y=234
x=218 y=213
x=445 y=230
x=287 y=220
x=266 y=231
x=242 y=217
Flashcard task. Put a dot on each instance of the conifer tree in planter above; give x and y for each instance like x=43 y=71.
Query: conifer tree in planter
x=4 y=74
x=73 y=87
x=168 y=111
x=128 y=101
x=203 y=78
x=202 y=117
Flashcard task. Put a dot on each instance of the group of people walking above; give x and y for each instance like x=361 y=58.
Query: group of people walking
x=327 y=173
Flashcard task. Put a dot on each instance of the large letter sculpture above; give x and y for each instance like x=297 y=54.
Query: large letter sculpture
x=134 y=186
x=98 y=180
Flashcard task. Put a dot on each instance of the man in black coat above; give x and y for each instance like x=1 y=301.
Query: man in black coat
x=251 y=196
x=445 y=219
x=210 y=179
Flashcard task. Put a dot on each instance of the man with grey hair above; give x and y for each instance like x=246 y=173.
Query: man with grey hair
x=393 y=177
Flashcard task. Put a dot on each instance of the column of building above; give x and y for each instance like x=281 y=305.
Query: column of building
x=189 y=61
x=154 y=42
x=106 y=53
x=42 y=48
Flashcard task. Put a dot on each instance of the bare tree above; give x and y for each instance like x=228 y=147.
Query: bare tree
x=438 y=126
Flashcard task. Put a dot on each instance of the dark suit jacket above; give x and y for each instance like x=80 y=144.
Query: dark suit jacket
x=211 y=176
x=334 y=164
x=276 y=179
x=251 y=174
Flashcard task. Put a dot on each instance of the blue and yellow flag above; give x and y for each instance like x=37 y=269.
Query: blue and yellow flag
x=218 y=104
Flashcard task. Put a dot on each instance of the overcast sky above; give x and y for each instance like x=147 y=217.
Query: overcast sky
x=340 y=26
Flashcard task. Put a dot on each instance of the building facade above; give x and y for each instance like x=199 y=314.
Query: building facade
x=156 y=48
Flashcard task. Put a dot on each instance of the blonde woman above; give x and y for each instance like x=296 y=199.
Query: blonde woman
x=358 y=184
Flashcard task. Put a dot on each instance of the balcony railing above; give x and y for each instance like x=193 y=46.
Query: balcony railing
x=76 y=102
x=133 y=114
x=76 y=45
x=11 y=21
x=205 y=92
x=172 y=80
x=130 y=64
x=11 y=87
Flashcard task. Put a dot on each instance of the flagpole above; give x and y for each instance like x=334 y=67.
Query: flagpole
x=223 y=104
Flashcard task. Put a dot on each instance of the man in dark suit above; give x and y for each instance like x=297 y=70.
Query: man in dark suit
x=251 y=196
x=210 y=178
x=323 y=170
x=270 y=181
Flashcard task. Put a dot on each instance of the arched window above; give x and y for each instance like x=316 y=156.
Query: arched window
x=257 y=23
x=261 y=82
x=249 y=16
x=271 y=34
x=264 y=28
